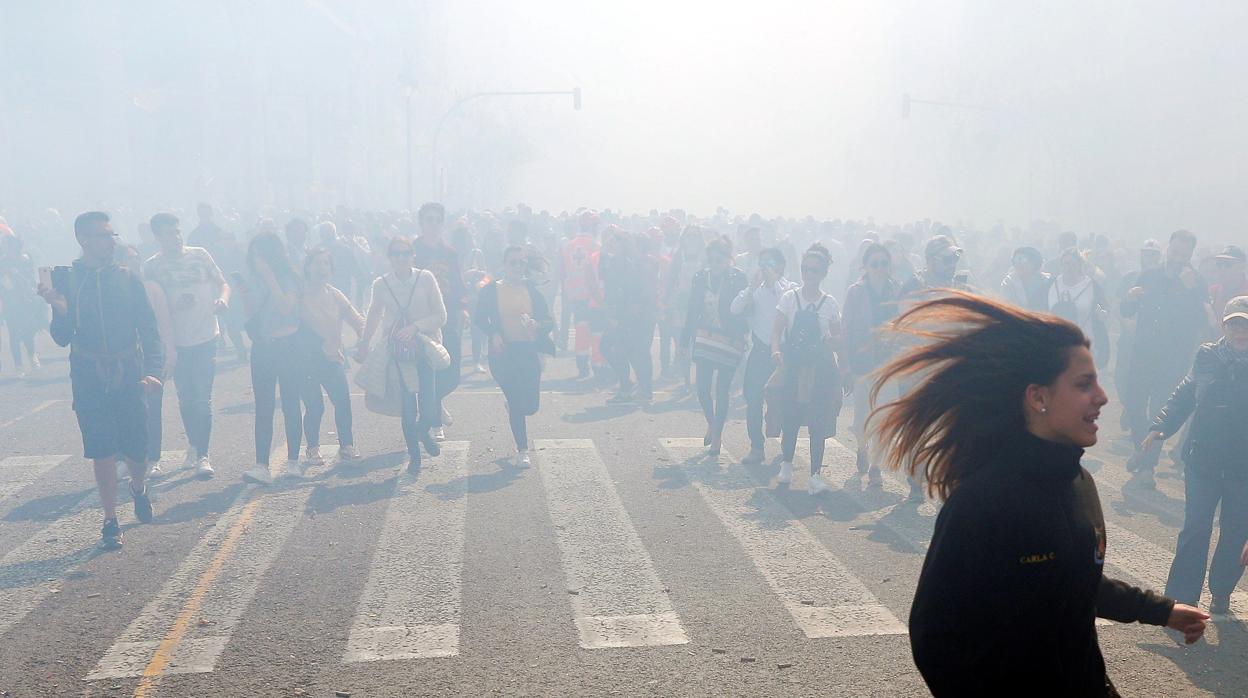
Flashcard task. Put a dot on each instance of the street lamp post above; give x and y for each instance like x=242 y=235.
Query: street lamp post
x=437 y=131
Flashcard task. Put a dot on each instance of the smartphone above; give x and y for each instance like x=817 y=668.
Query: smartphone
x=45 y=277
x=60 y=279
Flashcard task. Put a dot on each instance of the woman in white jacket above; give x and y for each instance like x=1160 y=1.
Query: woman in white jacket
x=408 y=301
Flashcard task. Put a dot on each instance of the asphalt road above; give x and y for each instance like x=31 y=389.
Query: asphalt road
x=624 y=562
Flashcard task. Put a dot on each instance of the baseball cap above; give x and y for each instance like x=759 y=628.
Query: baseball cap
x=1234 y=252
x=1236 y=307
x=939 y=246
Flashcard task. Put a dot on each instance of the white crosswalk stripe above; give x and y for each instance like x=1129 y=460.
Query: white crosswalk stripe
x=823 y=596
x=410 y=606
x=617 y=598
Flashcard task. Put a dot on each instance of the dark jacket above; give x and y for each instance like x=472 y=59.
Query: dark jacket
x=1012 y=583
x=487 y=318
x=1170 y=319
x=629 y=289
x=1216 y=392
x=731 y=324
x=111 y=331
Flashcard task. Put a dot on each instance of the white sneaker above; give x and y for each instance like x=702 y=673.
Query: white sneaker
x=313 y=456
x=447 y=419
x=291 y=468
x=348 y=453
x=786 y=473
x=817 y=485
x=259 y=475
x=203 y=468
x=155 y=470
x=522 y=459
x=439 y=434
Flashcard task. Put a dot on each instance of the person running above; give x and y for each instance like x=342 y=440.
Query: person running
x=128 y=258
x=870 y=304
x=197 y=294
x=1013 y=579
x=323 y=309
x=630 y=307
x=804 y=341
x=272 y=300
x=714 y=336
x=101 y=312
x=513 y=314
x=432 y=253
x=1215 y=395
x=408 y=301
x=20 y=308
x=757 y=303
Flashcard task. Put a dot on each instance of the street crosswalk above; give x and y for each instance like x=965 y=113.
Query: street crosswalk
x=410 y=606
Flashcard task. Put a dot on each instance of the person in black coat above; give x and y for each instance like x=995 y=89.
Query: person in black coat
x=1013 y=581
x=1215 y=395
x=714 y=335
x=513 y=314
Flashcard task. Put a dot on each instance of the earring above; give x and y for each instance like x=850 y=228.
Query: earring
x=1044 y=410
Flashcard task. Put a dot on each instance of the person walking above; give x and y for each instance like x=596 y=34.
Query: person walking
x=714 y=336
x=432 y=253
x=323 y=309
x=513 y=315
x=1215 y=396
x=758 y=304
x=870 y=304
x=408 y=302
x=1013 y=580
x=197 y=294
x=271 y=297
x=101 y=312
x=804 y=341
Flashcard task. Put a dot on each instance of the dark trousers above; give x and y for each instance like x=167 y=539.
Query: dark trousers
x=420 y=409
x=714 y=408
x=630 y=349
x=518 y=371
x=193 y=376
x=447 y=378
x=1203 y=490
x=1148 y=388
x=758 y=368
x=788 y=439
x=273 y=369
x=332 y=376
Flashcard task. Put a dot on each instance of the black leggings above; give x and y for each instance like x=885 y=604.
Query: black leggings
x=272 y=368
x=715 y=410
x=788 y=439
x=518 y=371
x=419 y=409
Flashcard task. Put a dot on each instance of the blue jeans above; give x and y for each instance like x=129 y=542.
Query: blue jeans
x=332 y=375
x=271 y=367
x=193 y=376
x=420 y=410
x=1203 y=490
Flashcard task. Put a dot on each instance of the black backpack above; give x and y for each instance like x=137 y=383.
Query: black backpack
x=803 y=341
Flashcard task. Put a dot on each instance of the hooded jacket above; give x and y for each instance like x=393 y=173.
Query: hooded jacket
x=1013 y=582
x=1215 y=395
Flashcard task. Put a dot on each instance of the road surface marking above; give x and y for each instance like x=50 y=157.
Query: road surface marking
x=35 y=410
x=824 y=598
x=410 y=607
x=16 y=472
x=617 y=598
x=33 y=570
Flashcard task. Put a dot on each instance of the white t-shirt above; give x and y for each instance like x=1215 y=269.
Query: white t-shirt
x=192 y=284
x=829 y=312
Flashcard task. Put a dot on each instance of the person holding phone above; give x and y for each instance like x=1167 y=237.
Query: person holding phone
x=197 y=295
x=101 y=312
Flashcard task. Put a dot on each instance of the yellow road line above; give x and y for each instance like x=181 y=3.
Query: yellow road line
x=156 y=667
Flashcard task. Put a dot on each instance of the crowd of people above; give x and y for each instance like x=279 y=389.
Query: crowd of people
x=793 y=314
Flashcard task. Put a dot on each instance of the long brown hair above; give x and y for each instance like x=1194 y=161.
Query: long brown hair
x=976 y=361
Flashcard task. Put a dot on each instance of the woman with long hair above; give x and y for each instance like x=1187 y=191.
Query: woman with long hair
x=870 y=304
x=714 y=336
x=272 y=300
x=1013 y=580
x=408 y=301
x=1075 y=296
x=804 y=341
x=514 y=316
x=323 y=310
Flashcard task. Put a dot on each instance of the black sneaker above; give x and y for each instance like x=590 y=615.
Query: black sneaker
x=413 y=465
x=110 y=536
x=430 y=444
x=142 y=506
x=1221 y=605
